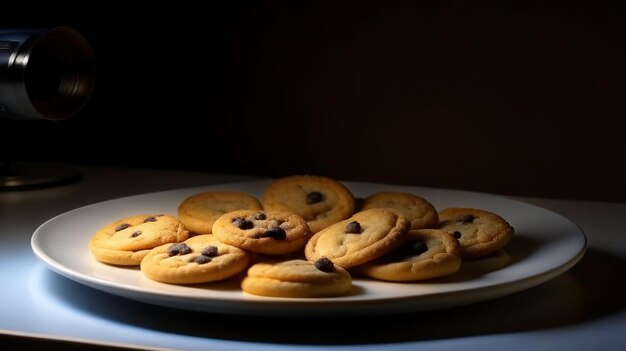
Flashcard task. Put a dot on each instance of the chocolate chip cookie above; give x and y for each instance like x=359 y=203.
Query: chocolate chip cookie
x=363 y=237
x=424 y=254
x=199 y=259
x=321 y=201
x=479 y=232
x=200 y=211
x=418 y=210
x=128 y=240
x=264 y=232
x=297 y=278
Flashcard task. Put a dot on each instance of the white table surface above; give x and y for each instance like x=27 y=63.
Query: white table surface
x=583 y=309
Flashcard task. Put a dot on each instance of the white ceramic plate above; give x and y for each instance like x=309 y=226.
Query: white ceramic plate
x=545 y=245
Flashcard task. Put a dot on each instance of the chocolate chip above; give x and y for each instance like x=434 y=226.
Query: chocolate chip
x=277 y=233
x=457 y=234
x=135 y=234
x=353 y=227
x=467 y=219
x=260 y=216
x=324 y=264
x=149 y=219
x=242 y=223
x=122 y=227
x=210 y=251
x=174 y=249
x=202 y=259
x=419 y=248
x=178 y=249
x=313 y=197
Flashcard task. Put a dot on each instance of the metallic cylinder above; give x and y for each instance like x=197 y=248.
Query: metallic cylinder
x=44 y=73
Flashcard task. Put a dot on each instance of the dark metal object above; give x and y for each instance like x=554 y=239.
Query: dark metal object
x=44 y=74
x=24 y=176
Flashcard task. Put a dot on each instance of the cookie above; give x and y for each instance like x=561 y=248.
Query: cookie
x=424 y=254
x=199 y=259
x=363 y=237
x=420 y=212
x=297 y=278
x=321 y=201
x=200 y=211
x=264 y=232
x=479 y=232
x=128 y=240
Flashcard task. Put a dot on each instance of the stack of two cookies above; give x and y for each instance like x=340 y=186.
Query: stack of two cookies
x=379 y=243
x=165 y=250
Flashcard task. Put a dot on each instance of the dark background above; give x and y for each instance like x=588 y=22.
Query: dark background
x=518 y=98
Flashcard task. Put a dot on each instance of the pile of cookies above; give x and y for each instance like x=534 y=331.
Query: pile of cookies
x=306 y=237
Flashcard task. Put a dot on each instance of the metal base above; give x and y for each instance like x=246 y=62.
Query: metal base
x=22 y=176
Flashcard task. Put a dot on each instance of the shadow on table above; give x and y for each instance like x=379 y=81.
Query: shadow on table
x=587 y=291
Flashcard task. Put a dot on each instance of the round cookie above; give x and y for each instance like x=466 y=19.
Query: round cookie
x=479 y=232
x=200 y=211
x=420 y=212
x=297 y=278
x=199 y=259
x=128 y=240
x=363 y=237
x=321 y=201
x=264 y=232
x=424 y=254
